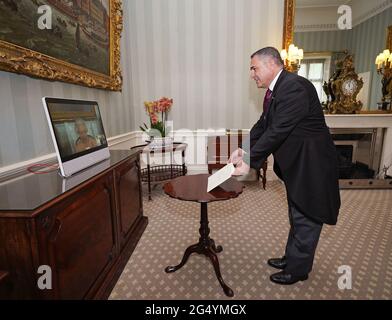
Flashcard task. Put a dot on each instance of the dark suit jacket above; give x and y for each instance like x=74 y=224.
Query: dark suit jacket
x=305 y=158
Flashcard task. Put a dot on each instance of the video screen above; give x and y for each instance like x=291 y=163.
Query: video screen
x=77 y=126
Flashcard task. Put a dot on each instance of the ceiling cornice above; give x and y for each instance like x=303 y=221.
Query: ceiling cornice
x=375 y=10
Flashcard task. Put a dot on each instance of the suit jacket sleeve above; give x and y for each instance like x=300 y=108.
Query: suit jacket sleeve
x=256 y=132
x=291 y=106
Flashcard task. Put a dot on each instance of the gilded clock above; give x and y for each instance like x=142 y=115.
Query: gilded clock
x=349 y=86
x=344 y=87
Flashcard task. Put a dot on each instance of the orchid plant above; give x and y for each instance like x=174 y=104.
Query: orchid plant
x=157 y=112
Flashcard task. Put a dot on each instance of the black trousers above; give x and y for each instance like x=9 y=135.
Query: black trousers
x=302 y=242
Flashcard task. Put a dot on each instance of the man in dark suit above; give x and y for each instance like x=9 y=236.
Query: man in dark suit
x=293 y=129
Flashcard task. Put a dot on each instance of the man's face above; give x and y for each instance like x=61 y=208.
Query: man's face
x=261 y=71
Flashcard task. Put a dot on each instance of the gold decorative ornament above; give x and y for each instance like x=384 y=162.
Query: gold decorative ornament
x=18 y=59
x=389 y=38
x=344 y=87
x=288 y=23
x=288 y=31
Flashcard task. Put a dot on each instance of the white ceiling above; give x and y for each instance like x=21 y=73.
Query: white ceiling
x=320 y=3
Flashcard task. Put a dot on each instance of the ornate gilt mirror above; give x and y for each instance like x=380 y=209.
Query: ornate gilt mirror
x=313 y=25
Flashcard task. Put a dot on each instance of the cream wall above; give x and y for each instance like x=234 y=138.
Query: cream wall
x=196 y=51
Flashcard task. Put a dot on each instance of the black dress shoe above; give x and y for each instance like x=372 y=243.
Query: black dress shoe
x=286 y=278
x=278 y=263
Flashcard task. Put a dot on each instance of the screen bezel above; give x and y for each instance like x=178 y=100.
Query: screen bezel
x=75 y=102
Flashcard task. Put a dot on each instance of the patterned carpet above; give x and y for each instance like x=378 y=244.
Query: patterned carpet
x=251 y=229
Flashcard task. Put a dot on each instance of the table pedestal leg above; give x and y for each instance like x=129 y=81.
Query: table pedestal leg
x=205 y=246
x=149 y=181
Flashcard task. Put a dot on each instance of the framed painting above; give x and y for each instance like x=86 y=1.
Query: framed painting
x=60 y=113
x=75 y=41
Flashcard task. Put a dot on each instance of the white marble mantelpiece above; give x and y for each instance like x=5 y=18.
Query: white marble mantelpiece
x=359 y=120
x=367 y=121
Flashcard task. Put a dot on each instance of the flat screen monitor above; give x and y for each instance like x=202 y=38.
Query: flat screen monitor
x=77 y=132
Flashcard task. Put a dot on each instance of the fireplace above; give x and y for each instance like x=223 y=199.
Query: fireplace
x=359 y=154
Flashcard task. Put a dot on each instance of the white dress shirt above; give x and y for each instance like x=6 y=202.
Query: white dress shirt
x=273 y=83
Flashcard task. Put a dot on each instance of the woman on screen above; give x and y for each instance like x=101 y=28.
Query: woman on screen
x=85 y=141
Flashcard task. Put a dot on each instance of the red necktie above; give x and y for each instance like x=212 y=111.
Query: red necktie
x=267 y=100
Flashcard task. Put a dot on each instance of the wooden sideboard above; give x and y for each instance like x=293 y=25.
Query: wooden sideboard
x=84 y=228
x=3 y=276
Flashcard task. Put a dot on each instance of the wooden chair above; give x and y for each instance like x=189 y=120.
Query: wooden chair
x=219 y=149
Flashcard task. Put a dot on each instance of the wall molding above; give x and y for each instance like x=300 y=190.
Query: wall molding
x=123 y=141
x=316 y=27
x=127 y=140
x=20 y=168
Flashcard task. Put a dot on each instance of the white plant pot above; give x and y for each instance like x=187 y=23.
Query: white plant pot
x=157 y=142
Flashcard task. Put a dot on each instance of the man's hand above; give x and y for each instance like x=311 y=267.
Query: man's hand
x=236 y=156
x=241 y=169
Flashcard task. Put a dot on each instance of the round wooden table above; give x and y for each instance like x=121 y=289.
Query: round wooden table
x=194 y=188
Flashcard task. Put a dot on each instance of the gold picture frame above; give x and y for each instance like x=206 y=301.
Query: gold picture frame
x=18 y=59
x=288 y=23
x=60 y=115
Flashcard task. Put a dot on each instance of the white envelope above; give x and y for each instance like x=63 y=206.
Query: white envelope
x=220 y=176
